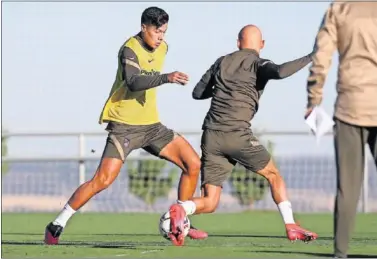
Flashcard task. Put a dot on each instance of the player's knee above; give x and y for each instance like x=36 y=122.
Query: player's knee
x=270 y=172
x=212 y=207
x=105 y=182
x=273 y=175
x=101 y=181
x=106 y=174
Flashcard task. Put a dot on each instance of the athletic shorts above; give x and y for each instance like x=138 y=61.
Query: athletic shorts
x=222 y=150
x=123 y=138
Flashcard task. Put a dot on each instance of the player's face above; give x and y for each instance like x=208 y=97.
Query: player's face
x=152 y=35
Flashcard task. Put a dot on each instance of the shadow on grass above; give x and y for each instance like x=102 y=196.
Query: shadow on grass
x=312 y=254
x=93 y=244
x=148 y=235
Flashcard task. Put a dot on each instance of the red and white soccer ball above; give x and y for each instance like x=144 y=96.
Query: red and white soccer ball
x=164 y=225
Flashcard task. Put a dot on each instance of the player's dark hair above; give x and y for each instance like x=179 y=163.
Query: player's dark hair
x=154 y=16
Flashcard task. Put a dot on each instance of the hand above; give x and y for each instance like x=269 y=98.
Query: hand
x=178 y=78
x=308 y=112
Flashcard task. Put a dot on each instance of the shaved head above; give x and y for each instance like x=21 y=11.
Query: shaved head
x=250 y=37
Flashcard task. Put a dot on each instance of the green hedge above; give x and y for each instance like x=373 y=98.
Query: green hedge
x=146 y=180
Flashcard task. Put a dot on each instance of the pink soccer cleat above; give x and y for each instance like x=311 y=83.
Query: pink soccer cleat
x=195 y=233
x=177 y=224
x=295 y=232
x=52 y=234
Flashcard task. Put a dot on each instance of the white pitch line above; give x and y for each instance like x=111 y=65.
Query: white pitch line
x=149 y=251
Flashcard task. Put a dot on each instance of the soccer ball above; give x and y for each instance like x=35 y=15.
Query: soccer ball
x=164 y=225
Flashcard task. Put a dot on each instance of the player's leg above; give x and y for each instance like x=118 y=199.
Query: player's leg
x=182 y=154
x=205 y=204
x=169 y=145
x=116 y=149
x=256 y=158
x=215 y=169
x=349 y=142
x=280 y=197
x=106 y=173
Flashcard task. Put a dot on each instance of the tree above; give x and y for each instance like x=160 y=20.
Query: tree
x=248 y=186
x=4 y=153
x=146 y=180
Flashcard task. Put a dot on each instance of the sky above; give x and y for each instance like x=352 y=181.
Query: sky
x=59 y=62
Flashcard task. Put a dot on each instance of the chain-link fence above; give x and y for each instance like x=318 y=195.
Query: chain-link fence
x=151 y=185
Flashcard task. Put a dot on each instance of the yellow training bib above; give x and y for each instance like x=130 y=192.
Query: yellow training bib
x=135 y=108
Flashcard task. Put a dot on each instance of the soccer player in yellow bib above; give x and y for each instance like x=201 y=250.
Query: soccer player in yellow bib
x=133 y=120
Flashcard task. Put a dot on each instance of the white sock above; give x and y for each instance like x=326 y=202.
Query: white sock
x=188 y=206
x=66 y=213
x=286 y=212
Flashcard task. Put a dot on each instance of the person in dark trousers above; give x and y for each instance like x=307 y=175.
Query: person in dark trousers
x=351 y=29
x=235 y=82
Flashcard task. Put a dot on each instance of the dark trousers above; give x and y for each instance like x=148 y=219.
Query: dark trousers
x=350 y=155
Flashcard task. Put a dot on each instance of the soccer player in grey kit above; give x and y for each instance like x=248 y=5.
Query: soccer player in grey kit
x=235 y=82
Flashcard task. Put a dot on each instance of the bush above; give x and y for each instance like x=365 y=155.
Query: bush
x=248 y=186
x=146 y=180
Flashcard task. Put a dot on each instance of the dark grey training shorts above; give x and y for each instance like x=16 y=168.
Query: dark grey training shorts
x=123 y=138
x=222 y=150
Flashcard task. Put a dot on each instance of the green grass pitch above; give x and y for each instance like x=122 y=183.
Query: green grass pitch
x=133 y=235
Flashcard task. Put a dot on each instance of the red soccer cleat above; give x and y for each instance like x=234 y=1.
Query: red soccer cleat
x=177 y=224
x=175 y=241
x=52 y=234
x=295 y=232
x=195 y=233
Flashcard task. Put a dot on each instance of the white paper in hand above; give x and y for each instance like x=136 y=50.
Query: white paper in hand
x=319 y=122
